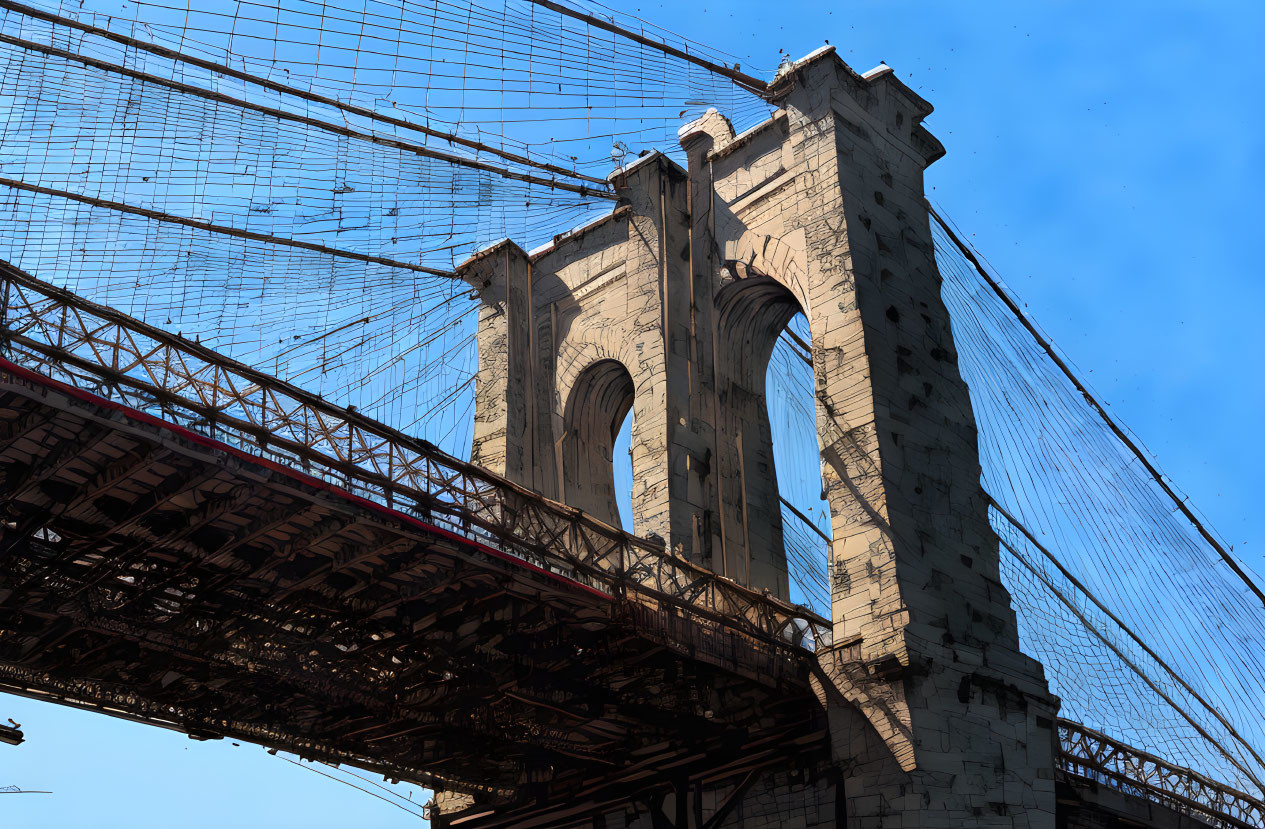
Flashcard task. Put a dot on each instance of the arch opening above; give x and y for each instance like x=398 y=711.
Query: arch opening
x=596 y=409
x=767 y=417
x=624 y=473
x=806 y=519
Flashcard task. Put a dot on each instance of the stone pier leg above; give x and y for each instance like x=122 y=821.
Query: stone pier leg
x=926 y=641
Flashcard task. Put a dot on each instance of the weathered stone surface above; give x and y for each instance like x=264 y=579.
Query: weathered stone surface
x=669 y=308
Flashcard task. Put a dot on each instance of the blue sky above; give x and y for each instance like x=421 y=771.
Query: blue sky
x=1105 y=157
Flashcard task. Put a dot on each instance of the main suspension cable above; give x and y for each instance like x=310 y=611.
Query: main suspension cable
x=226 y=230
x=228 y=71
x=747 y=82
x=283 y=115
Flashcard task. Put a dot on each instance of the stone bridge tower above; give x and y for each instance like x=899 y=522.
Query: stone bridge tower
x=669 y=308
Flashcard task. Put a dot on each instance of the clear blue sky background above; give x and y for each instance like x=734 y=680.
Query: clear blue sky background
x=1106 y=157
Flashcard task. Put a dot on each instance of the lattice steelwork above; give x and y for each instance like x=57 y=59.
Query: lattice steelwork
x=1092 y=755
x=92 y=347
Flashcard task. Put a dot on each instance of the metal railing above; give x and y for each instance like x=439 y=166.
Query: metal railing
x=1092 y=755
x=97 y=349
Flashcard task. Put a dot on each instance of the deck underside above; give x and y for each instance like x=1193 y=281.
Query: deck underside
x=158 y=575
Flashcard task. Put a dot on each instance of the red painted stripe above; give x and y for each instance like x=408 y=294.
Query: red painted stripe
x=301 y=477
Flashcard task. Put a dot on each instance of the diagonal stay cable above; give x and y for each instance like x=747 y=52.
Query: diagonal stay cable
x=285 y=89
x=808 y=521
x=158 y=215
x=1098 y=407
x=1027 y=534
x=1129 y=662
x=354 y=786
x=281 y=114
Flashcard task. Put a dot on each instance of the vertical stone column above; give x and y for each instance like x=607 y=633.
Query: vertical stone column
x=670 y=457
x=737 y=325
x=926 y=642
x=703 y=460
x=512 y=412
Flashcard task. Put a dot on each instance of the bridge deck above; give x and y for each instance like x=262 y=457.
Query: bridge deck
x=389 y=606
x=159 y=574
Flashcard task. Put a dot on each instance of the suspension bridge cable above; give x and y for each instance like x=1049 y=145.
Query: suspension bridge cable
x=707 y=46
x=806 y=520
x=222 y=229
x=803 y=352
x=1079 y=585
x=280 y=114
x=1093 y=401
x=754 y=85
x=228 y=71
x=1150 y=683
x=220 y=68
x=354 y=786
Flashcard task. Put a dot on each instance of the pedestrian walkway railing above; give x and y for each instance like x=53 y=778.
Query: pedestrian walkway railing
x=1089 y=755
